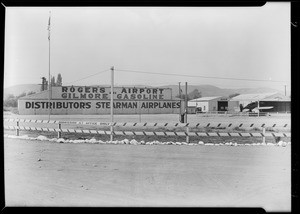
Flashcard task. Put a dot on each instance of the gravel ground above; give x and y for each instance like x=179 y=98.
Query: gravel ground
x=43 y=173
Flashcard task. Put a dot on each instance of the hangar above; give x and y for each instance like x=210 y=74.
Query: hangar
x=208 y=104
x=279 y=103
x=276 y=101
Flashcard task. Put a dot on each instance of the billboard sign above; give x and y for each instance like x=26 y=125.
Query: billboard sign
x=103 y=93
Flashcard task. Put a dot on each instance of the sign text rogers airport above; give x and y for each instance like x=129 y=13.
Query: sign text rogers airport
x=68 y=100
x=101 y=105
x=103 y=93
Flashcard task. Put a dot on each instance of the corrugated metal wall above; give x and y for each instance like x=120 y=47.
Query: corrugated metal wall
x=280 y=106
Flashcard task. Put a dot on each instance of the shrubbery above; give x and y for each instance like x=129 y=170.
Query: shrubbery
x=12 y=101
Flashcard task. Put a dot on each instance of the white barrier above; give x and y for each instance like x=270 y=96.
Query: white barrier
x=186 y=133
x=196 y=125
x=152 y=133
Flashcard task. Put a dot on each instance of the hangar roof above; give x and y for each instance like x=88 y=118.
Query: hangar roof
x=204 y=99
x=261 y=97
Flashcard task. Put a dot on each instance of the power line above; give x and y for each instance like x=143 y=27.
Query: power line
x=185 y=75
x=89 y=76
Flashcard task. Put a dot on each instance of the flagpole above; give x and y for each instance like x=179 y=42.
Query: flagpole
x=112 y=103
x=180 y=100
x=49 y=81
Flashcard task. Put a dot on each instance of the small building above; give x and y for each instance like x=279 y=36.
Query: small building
x=208 y=104
x=278 y=102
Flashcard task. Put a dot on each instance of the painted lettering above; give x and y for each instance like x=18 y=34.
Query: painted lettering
x=72 y=89
x=87 y=89
x=27 y=105
x=80 y=89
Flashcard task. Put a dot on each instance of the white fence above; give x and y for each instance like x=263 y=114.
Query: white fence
x=144 y=132
x=230 y=114
x=246 y=114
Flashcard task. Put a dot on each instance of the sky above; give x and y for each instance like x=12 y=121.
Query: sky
x=224 y=42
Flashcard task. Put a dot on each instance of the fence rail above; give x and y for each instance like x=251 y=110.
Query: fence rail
x=153 y=133
x=132 y=124
x=186 y=133
x=230 y=114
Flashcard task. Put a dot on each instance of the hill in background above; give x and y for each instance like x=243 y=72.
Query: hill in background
x=209 y=90
x=206 y=90
x=19 y=89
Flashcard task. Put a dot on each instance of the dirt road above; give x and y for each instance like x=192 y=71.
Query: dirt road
x=41 y=173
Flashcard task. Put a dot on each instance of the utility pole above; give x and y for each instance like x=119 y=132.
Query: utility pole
x=180 y=99
x=186 y=106
x=112 y=103
x=186 y=112
x=49 y=81
x=284 y=90
x=140 y=113
x=258 y=108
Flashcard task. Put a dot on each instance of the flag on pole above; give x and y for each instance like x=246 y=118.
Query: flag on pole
x=49 y=26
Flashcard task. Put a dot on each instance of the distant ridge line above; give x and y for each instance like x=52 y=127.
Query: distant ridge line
x=206 y=90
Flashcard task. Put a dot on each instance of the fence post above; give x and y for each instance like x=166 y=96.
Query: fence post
x=111 y=132
x=187 y=137
x=18 y=129
x=59 y=132
x=264 y=132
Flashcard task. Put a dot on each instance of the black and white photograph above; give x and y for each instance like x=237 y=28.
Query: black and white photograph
x=148 y=106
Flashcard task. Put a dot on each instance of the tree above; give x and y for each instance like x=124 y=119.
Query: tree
x=10 y=101
x=53 y=81
x=59 y=80
x=194 y=94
